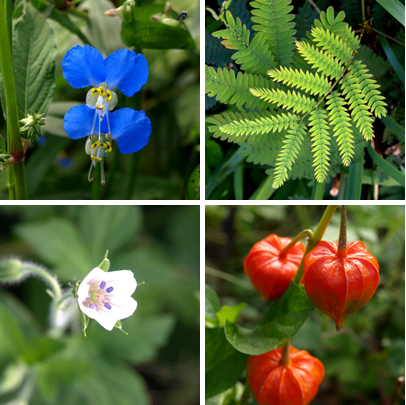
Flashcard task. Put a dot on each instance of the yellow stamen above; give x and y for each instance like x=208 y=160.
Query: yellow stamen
x=108 y=95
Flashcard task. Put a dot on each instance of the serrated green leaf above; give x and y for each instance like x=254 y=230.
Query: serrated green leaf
x=34 y=49
x=278 y=325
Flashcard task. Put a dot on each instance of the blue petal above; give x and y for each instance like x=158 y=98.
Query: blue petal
x=126 y=71
x=78 y=121
x=84 y=66
x=130 y=129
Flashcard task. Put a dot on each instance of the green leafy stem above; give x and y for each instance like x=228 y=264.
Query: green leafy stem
x=14 y=144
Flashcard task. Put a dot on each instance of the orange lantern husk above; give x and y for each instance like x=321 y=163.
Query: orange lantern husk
x=269 y=270
x=275 y=383
x=340 y=283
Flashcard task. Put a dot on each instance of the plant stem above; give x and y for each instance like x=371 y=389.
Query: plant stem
x=285 y=354
x=317 y=236
x=342 y=240
x=14 y=145
x=284 y=251
x=47 y=277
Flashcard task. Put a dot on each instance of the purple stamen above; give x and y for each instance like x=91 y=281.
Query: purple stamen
x=88 y=296
x=108 y=306
x=110 y=289
x=102 y=284
x=91 y=306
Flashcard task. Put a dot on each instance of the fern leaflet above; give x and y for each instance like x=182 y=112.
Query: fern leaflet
x=320 y=60
x=260 y=125
x=369 y=87
x=274 y=21
x=288 y=100
x=320 y=143
x=289 y=152
x=231 y=89
x=360 y=111
x=341 y=123
x=312 y=83
x=253 y=56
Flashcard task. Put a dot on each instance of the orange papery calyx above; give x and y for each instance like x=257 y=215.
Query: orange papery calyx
x=294 y=381
x=271 y=265
x=340 y=281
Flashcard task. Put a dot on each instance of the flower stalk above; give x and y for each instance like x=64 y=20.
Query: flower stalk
x=317 y=236
x=14 y=145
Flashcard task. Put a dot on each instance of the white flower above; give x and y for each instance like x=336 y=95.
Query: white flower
x=106 y=297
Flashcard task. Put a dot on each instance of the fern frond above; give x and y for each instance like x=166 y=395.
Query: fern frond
x=320 y=143
x=304 y=20
x=369 y=88
x=335 y=24
x=375 y=63
x=229 y=89
x=312 y=83
x=333 y=44
x=243 y=14
x=289 y=152
x=215 y=52
x=220 y=121
x=341 y=123
x=253 y=56
x=276 y=24
x=320 y=60
x=359 y=110
x=288 y=100
x=261 y=125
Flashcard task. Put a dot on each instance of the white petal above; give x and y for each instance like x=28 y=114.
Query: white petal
x=122 y=281
x=123 y=307
x=104 y=319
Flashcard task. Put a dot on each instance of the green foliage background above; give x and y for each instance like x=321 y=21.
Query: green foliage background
x=362 y=362
x=158 y=362
x=58 y=168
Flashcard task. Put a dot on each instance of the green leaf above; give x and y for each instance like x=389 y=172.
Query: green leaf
x=109 y=227
x=10 y=337
x=212 y=303
x=224 y=364
x=128 y=385
x=146 y=335
x=193 y=184
x=142 y=32
x=34 y=49
x=39 y=348
x=386 y=167
x=279 y=324
x=395 y=127
x=394 y=7
x=58 y=243
x=390 y=54
x=229 y=314
x=56 y=372
x=354 y=186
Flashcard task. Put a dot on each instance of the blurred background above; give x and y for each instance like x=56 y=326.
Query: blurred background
x=362 y=363
x=158 y=362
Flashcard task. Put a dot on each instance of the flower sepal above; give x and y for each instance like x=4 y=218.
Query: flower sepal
x=105 y=263
x=119 y=326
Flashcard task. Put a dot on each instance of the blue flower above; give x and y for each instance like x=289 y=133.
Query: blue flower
x=124 y=70
x=129 y=128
